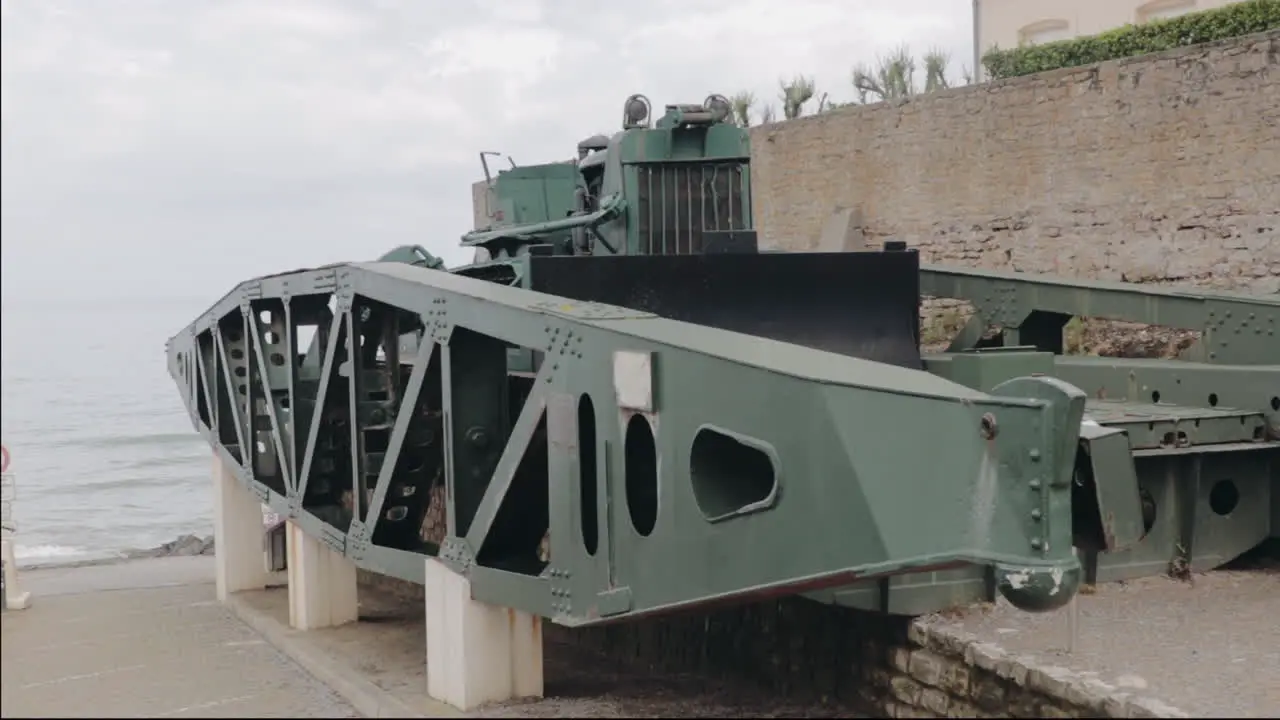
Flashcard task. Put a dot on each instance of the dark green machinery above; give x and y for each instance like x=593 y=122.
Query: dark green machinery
x=624 y=407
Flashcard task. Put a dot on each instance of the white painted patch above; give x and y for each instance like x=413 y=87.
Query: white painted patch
x=633 y=379
x=84 y=676
x=244 y=643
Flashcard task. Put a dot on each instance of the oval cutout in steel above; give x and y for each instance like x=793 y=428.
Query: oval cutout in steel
x=641 y=466
x=731 y=475
x=587 y=494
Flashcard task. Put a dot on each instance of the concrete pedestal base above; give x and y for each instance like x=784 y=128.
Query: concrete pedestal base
x=14 y=597
x=322 y=583
x=477 y=653
x=237 y=534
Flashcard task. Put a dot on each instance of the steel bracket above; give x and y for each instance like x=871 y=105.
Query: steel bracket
x=357 y=540
x=1115 y=483
x=561 y=589
x=456 y=553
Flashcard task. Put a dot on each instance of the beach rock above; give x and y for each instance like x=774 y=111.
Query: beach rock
x=183 y=545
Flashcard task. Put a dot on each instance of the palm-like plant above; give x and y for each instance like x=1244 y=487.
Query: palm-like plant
x=935 y=70
x=795 y=94
x=894 y=76
x=892 y=79
x=742 y=104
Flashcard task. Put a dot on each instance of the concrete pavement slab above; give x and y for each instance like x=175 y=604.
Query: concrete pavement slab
x=145 y=639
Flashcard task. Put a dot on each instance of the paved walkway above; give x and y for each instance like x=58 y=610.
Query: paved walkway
x=145 y=639
x=1210 y=647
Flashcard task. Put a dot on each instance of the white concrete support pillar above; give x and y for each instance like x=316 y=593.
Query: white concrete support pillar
x=322 y=583
x=14 y=597
x=237 y=534
x=477 y=653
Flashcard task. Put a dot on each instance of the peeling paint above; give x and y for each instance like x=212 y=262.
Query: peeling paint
x=1018 y=579
x=1056 y=575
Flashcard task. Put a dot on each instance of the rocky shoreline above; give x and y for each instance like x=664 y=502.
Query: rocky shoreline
x=181 y=546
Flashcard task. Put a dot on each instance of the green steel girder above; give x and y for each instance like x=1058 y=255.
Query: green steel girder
x=1033 y=309
x=1144 y=509
x=599 y=488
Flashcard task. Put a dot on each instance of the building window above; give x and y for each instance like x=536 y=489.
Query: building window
x=1161 y=9
x=1044 y=31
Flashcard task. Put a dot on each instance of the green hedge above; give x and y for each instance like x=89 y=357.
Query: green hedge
x=1242 y=18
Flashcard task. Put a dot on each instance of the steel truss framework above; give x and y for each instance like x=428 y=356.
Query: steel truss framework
x=635 y=465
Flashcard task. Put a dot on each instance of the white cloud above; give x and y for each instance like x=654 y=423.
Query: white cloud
x=159 y=147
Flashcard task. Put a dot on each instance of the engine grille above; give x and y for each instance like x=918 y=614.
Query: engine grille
x=677 y=203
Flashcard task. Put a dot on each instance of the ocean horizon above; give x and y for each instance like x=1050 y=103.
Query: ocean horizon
x=104 y=455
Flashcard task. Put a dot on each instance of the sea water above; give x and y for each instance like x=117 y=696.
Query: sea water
x=103 y=451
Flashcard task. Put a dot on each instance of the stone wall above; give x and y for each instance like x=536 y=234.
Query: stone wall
x=942 y=671
x=1164 y=168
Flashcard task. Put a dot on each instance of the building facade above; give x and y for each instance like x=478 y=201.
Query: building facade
x=1012 y=23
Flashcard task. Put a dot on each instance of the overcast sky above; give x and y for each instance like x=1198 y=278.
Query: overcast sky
x=170 y=148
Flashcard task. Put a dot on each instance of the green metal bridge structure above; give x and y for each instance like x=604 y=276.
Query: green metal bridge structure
x=624 y=407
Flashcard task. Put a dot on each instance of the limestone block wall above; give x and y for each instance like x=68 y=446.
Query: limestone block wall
x=1163 y=168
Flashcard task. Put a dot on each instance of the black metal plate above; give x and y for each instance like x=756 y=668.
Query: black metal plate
x=862 y=304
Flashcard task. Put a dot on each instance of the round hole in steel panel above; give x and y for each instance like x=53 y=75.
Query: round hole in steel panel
x=641 y=466
x=1224 y=496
